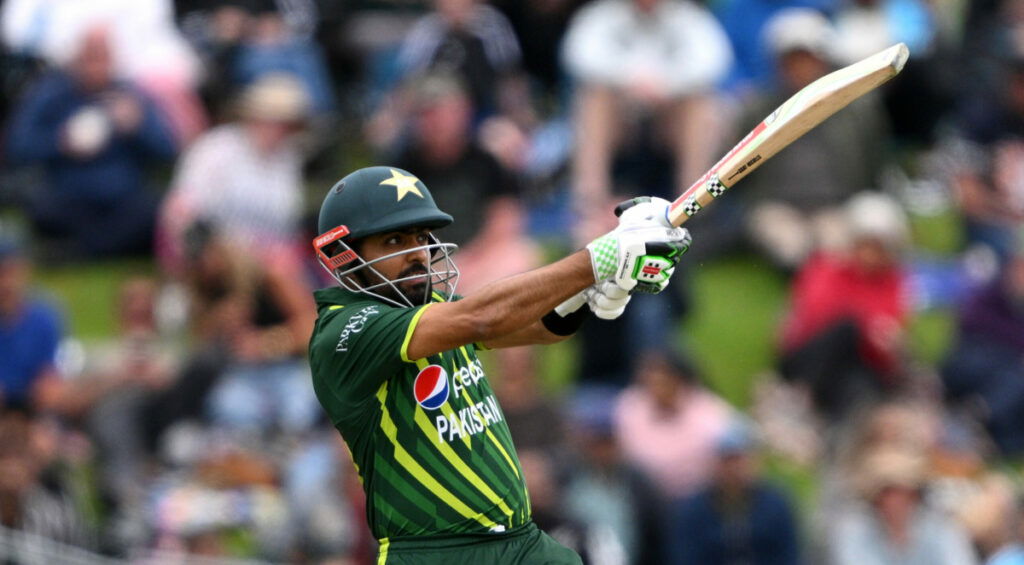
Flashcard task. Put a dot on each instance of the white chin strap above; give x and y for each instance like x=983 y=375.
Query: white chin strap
x=442 y=274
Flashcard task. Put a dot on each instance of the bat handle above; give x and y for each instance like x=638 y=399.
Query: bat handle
x=627 y=204
x=571 y=305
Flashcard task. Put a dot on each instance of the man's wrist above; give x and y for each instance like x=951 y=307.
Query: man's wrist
x=568 y=324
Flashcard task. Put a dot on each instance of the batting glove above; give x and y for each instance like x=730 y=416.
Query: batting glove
x=606 y=300
x=632 y=256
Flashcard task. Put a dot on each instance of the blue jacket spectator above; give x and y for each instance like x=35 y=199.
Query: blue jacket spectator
x=30 y=330
x=93 y=137
x=737 y=517
x=764 y=533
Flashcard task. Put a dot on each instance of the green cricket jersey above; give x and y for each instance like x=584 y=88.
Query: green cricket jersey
x=430 y=443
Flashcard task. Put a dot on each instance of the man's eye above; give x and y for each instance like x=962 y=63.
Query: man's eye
x=392 y=240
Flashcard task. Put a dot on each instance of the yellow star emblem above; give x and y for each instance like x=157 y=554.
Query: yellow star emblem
x=403 y=183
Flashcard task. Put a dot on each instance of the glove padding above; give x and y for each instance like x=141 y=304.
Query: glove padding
x=607 y=300
x=629 y=255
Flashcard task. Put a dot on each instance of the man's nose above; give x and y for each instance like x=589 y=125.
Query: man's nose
x=418 y=256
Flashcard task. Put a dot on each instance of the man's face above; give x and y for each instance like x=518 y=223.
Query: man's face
x=94 y=65
x=444 y=124
x=872 y=255
x=456 y=12
x=800 y=67
x=400 y=266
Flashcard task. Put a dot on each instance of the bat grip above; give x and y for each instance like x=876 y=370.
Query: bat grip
x=627 y=204
x=571 y=305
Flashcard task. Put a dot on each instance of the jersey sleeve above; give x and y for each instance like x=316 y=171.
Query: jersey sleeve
x=358 y=349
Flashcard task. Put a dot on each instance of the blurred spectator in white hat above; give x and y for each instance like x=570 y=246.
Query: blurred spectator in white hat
x=893 y=524
x=795 y=200
x=844 y=334
x=744 y=22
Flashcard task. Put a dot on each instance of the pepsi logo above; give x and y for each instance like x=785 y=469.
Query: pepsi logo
x=431 y=387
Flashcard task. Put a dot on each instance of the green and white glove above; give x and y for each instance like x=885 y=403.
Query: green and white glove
x=643 y=249
x=638 y=258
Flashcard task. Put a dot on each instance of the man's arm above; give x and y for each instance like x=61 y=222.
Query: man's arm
x=503 y=310
x=534 y=334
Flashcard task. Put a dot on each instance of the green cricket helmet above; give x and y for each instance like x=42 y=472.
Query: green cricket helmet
x=377 y=200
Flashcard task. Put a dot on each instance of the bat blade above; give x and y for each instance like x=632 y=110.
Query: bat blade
x=796 y=116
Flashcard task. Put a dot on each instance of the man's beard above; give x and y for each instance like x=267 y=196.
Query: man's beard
x=417 y=294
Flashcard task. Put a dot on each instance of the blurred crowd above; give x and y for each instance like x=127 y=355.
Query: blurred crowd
x=198 y=137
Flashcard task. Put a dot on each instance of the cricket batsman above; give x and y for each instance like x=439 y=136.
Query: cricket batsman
x=394 y=362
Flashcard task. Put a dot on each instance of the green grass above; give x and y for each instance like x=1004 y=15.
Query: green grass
x=736 y=306
x=89 y=293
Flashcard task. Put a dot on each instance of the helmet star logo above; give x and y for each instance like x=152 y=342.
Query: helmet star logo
x=403 y=183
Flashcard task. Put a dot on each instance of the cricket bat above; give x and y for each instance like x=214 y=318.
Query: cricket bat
x=795 y=117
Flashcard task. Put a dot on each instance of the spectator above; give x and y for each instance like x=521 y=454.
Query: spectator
x=147 y=48
x=796 y=197
x=744 y=22
x=94 y=137
x=843 y=336
x=985 y=156
x=540 y=26
x=736 y=517
x=30 y=332
x=657 y=59
x=39 y=525
x=246 y=177
x=465 y=39
x=469 y=39
x=271 y=47
x=116 y=390
x=894 y=524
x=986 y=362
x=471 y=183
x=260 y=315
x=667 y=424
x=644 y=74
x=606 y=493
x=902 y=425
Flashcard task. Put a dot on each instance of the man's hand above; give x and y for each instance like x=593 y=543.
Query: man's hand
x=632 y=254
x=604 y=299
